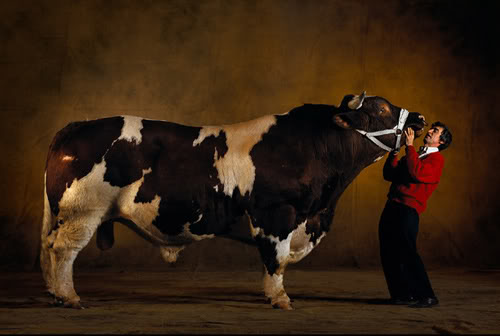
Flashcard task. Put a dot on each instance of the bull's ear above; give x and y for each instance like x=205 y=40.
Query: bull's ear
x=341 y=120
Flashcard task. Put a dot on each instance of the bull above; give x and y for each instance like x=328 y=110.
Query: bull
x=175 y=184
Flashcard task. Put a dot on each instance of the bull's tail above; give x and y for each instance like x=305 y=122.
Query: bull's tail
x=48 y=219
x=48 y=224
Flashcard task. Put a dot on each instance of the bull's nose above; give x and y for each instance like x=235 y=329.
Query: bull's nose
x=421 y=116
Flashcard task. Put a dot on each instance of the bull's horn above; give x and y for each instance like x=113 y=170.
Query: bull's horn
x=357 y=101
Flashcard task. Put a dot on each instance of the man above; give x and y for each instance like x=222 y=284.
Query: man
x=413 y=178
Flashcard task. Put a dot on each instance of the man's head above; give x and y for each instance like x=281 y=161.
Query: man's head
x=438 y=136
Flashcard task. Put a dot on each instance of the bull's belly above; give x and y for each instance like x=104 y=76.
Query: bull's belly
x=93 y=200
x=179 y=220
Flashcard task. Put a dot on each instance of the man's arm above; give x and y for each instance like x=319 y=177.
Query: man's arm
x=424 y=172
x=390 y=165
x=428 y=172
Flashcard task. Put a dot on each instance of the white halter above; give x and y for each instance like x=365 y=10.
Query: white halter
x=397 y=130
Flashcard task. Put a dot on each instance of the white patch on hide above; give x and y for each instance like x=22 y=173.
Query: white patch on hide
x=205 y=132
x=91 y=201
x=301 y=244
x=90 y=194
x=142 y=214
x=82 y=209
x=131 y=130
x=235 y=168
x=199 y=218
x=254 y=231
x=282 y=247
x=68 y=158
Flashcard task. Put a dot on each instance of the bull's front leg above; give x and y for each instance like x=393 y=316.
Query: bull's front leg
x=274 y=271
x=274 y=251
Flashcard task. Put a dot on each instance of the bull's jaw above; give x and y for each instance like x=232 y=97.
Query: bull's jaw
x=418 y=124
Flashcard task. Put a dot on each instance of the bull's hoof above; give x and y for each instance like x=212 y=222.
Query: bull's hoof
x=58 y=302
x=283 y=305
x=50 y=294
x=75 y=304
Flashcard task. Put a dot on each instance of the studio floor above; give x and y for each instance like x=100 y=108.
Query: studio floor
x=341 y=301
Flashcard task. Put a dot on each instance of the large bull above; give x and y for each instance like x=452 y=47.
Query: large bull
x=174 y=184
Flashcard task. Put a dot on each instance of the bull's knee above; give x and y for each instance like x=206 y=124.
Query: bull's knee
x=73 y=235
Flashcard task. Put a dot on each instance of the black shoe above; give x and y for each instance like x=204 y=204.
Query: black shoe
x=425 y=303
x=402 y=301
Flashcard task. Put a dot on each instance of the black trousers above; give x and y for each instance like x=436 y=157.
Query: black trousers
x=403 y=268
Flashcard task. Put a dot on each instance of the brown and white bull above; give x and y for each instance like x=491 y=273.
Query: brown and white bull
x=175 y=184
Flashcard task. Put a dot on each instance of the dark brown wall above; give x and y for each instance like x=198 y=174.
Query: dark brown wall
x=211 y=62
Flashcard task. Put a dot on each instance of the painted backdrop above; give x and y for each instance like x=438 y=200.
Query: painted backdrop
x=207 y=62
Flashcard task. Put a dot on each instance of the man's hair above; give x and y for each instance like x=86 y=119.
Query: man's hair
x=445 y=136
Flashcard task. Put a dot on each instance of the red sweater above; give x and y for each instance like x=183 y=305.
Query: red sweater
x=413 y=179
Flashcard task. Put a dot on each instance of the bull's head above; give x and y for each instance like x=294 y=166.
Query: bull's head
x=372 y=115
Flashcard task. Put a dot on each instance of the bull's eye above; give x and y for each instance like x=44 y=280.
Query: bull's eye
x=381 y=111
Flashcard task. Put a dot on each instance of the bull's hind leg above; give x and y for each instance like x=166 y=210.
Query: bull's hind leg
x=46 y=265
x=71 y=236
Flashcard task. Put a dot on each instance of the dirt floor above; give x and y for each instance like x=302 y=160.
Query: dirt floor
x=341 y=301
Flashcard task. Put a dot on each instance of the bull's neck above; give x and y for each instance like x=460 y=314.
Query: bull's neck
x=350 y=153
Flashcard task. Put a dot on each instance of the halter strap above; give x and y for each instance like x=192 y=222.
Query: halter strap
x=397 y=130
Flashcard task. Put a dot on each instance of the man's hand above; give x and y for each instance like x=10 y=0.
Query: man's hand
x=410 y=136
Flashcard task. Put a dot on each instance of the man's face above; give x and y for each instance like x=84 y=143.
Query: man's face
x=431 y=139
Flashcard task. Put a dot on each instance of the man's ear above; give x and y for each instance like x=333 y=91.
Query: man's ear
x=341 y=121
